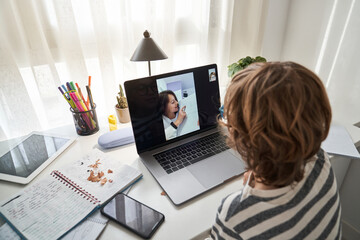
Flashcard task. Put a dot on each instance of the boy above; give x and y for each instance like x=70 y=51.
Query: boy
x=277 y=115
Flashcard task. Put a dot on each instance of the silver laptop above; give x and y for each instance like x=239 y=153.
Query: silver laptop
x=187 y=158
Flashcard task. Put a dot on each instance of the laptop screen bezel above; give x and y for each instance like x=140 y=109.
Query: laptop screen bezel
x=165 y=75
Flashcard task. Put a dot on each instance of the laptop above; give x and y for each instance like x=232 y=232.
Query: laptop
x=189 y=158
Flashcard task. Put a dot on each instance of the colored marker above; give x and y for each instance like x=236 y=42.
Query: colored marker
x=61 y=90
x=85 y=109
x=68 y=86
x=64 y=88
x=87 y=99
x=79 y=107
x=72 y=86
x=90 y=97
x=67 y=98
x=81 y=95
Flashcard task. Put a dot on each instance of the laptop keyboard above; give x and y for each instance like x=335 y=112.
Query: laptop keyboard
x=179 y=157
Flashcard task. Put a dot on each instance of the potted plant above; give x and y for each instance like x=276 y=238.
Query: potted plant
x=242 y=64
x=238 y=66
x=122 y=110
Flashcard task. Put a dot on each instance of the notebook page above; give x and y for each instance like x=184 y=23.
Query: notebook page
x=47 y=209
x=339 y=142
x=122 y=175
x=7 y=233
x=89 y=229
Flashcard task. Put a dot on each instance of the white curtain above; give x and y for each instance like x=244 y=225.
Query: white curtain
x=45 y=43
x=326 y=41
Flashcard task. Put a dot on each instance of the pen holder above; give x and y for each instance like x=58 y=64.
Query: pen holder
x=86 y=122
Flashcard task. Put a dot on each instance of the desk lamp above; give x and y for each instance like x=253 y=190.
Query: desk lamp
x=148 y=50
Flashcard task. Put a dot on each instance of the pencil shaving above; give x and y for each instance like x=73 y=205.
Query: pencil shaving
x=93 y=177
x=95 y=165
x=97 y=175
x=103 y=181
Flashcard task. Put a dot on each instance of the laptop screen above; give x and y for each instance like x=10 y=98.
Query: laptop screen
x=172 y=106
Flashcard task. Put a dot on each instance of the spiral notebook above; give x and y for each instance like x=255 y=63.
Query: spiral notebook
x=54 y=205
x=90 y=229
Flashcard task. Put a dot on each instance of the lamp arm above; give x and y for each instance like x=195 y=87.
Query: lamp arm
x=149 y=68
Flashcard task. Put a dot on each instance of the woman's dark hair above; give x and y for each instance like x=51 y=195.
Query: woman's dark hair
x=277 y=115
x=164 y=99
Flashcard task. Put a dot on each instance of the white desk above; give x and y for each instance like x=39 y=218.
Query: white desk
x=184 y=222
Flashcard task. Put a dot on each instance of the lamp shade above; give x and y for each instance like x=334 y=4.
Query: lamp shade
x=148 y=50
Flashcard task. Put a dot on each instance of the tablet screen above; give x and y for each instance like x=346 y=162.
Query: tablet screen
x=31 y=153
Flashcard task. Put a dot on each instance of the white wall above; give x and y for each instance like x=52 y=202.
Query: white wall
x=324 y=35
x=274 y=31
x=247 y=28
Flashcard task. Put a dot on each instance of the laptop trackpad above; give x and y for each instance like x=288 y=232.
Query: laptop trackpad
x=216 y=169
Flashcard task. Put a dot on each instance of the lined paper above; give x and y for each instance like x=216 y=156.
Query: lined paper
x=90 y=229
x=7 y=233
x=47 y=209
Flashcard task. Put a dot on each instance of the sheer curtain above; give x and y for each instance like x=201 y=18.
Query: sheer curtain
x=44 y=44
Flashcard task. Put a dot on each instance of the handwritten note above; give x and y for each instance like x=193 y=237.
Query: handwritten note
x=46 y=210
x=89 y=229
x=55 y=204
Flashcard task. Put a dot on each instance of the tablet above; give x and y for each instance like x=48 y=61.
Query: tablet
x=26 y=158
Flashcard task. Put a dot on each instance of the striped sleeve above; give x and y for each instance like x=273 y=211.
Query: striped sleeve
x=311 y=210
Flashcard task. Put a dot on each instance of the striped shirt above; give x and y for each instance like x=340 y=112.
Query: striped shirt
x=309 y=209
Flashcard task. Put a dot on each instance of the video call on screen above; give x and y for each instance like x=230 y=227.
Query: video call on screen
x=196 y=91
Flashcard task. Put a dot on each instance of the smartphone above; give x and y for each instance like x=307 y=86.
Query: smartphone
x=133 y=215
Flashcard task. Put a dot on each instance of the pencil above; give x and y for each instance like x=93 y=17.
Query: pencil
x=77 y=85
x=87 y=99
x=90 y=97
x=81 y=95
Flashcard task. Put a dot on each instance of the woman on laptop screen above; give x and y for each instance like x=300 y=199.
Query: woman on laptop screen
x=277 y=114
x=169 y=107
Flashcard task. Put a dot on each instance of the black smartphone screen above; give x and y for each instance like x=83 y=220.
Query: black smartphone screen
x=134 y=215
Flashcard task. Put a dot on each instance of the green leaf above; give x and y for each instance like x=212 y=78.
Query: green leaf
x=248 y=60
x=238 y=68
x=234 y=70
x=260 y=59
x=230 y=72
x=242 y=63
x=232 y=66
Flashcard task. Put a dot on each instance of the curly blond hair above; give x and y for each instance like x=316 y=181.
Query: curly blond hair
x=277 y=114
